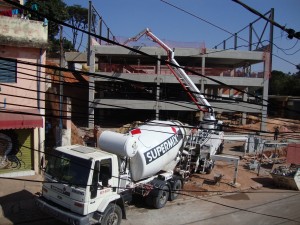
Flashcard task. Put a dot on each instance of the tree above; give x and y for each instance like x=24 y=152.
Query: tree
x=298 y=68
x=54 y=47
x=294 y=83
x=55 y=8
x=277 y=83
x=78 y=18
x=284 y=84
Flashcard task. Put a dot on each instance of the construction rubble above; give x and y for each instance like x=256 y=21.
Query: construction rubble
x=287 y=176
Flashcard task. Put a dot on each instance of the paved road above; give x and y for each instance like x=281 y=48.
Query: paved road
x=250 y=208
x=275 y=207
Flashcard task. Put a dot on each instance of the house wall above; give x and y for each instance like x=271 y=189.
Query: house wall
x=17 y=31
x=23 y=94
x=25 y=41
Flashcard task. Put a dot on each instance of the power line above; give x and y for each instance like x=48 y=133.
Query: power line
x=291 y=32
x=99 y=103
x=127 y=47
x=140 y=52
x=174 y=65
x=233 y=34
x=160 y=100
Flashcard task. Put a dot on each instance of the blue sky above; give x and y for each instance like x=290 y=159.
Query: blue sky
x=126 y=18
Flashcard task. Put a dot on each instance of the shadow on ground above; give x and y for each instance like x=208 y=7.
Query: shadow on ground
x=19 y=207
x=265 y=182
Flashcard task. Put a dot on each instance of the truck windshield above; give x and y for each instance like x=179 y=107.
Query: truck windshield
x=67 y=168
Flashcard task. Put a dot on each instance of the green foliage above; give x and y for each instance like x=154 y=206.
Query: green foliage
x=284 y=84
x=54 y=46
x=78 y=18
x=55 y=8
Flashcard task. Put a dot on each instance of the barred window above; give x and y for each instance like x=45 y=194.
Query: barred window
x=8 y=71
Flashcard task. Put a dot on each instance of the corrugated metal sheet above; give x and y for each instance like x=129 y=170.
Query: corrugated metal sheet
x=25 y=155
x=20 y=156
x=293 y=153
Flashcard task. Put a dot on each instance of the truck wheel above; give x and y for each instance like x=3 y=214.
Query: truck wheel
x=162 y=198
x=112 y=215
x=176 y=188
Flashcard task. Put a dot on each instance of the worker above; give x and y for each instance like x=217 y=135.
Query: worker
x=276 y=133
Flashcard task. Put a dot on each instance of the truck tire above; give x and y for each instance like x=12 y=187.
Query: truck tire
x=161 y=199
x=176 y=188
x=112 y=215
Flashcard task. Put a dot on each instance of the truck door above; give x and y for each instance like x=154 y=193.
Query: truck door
x=101 y=184
x=101 y=178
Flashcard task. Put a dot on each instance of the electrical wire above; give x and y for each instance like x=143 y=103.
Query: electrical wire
x=227 y=85
x=291 y=33
x=232 y=34
x=109 y=77
x=163 y=101
x=142 y=53
x=230 y=99
x=129 y=48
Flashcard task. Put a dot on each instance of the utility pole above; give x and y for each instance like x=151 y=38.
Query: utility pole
x=89 y=34
x=60 y=87
x=91 y=65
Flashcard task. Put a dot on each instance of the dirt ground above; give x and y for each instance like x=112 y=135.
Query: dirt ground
x=288 y=128
x=246 y=179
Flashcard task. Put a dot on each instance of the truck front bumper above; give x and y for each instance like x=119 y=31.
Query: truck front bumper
x=60 y=213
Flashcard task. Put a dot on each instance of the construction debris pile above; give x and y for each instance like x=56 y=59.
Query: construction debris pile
x=287 y=176
x=287 y=171
x=270 y=157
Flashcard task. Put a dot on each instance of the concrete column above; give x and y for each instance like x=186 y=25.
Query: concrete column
x=267 y=73
x=212 y=92
x=66 y=132
x=91 y=104
x=202 y=84
x=220 y=90
x=232 y=73
x=244 y=114
x=157 y=105
x=158 y=65
x=231 y=93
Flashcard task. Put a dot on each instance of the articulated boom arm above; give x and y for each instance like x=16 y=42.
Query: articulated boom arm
x=179 y=73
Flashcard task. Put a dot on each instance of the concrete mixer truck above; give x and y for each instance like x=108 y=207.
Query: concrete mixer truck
x=85 y=185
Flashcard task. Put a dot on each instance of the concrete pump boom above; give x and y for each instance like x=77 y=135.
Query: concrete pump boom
x=181 y=76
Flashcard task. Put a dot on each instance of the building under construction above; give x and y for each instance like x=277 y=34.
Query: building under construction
x=139 y=83
x=154 y=93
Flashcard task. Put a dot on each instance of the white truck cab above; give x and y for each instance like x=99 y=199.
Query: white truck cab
x=80 y=183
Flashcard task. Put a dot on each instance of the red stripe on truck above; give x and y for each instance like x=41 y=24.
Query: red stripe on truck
x=135 y=131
